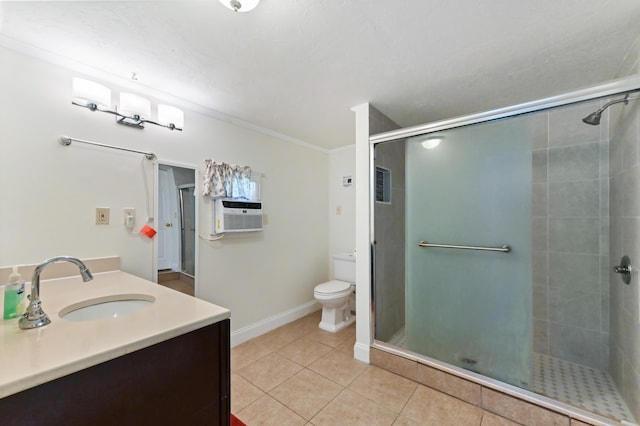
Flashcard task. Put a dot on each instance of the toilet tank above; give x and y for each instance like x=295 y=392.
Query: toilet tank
x=344 y=267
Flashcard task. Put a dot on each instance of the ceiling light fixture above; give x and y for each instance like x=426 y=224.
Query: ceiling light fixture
x=431 y=143
x=134 y=111
x=427 y=142
x=238 y=6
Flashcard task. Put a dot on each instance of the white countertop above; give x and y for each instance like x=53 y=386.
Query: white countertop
x=32 y=357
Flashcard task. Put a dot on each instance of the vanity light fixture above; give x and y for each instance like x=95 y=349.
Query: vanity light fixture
x=91 y=95
x=170 y=116
x=240 y=6
x=134 y=110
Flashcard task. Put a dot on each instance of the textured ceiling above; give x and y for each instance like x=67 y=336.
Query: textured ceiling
x=297 y=66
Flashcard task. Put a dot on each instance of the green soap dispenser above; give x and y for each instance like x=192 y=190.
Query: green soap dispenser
x=14 y=295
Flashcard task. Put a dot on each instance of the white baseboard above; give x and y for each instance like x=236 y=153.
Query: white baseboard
x=264 y=326
x=361 y=352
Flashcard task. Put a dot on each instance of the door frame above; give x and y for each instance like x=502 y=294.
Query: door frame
x=196 y=170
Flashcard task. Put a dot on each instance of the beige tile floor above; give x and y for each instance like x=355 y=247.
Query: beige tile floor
x=179 y=285
x=177 y=281
x=301 y=375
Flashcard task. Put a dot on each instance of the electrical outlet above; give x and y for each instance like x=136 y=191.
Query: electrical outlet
x=129 y=218
x=102 y=215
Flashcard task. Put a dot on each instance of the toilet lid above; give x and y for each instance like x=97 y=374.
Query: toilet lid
x=334 y=286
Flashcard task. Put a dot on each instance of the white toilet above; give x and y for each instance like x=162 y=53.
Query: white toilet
x=336 y=296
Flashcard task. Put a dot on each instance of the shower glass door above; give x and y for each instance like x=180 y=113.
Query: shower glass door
x=468 y=307
x=187 y=227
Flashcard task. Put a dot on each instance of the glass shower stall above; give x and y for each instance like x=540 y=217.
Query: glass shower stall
x=495 y=240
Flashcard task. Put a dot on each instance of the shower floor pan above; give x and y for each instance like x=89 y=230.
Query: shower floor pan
x=564 y=381
x=579 y=385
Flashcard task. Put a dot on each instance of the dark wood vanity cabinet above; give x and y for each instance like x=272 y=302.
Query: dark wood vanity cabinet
x=181 y=381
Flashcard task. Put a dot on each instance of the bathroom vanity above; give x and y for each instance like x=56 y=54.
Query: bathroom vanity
x=166 y=363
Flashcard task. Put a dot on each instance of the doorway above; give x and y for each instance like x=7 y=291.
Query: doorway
x=176 y=242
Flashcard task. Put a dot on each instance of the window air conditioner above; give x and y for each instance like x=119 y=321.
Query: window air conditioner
x=233 y=215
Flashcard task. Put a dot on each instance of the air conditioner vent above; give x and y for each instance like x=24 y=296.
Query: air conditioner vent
x=231 y=215
x=241 y=222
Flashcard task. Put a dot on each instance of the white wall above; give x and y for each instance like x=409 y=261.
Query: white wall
x=342 y=223
x=50 y=192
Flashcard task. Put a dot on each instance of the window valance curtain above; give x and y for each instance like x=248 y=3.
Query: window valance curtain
x=222 y=180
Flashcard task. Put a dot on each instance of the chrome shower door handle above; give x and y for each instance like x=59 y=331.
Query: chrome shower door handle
x=624 y=269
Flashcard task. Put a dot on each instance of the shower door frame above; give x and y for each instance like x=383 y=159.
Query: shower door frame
x=183 y=230
x=610 y=88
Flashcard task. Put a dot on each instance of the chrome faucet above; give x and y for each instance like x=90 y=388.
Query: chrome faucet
x=35 y=317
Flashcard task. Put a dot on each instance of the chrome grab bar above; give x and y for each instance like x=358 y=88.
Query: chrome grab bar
x=504 y=249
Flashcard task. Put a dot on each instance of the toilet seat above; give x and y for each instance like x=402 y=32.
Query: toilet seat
x=332 y=290
x=333 y=286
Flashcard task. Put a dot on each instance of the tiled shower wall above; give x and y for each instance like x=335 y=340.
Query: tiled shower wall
x=570 y=230
x=390 y=230
x=624 y=364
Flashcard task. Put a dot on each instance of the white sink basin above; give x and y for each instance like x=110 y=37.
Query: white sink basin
x=113 y=306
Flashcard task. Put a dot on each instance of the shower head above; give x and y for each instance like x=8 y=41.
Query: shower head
x=594 y=117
